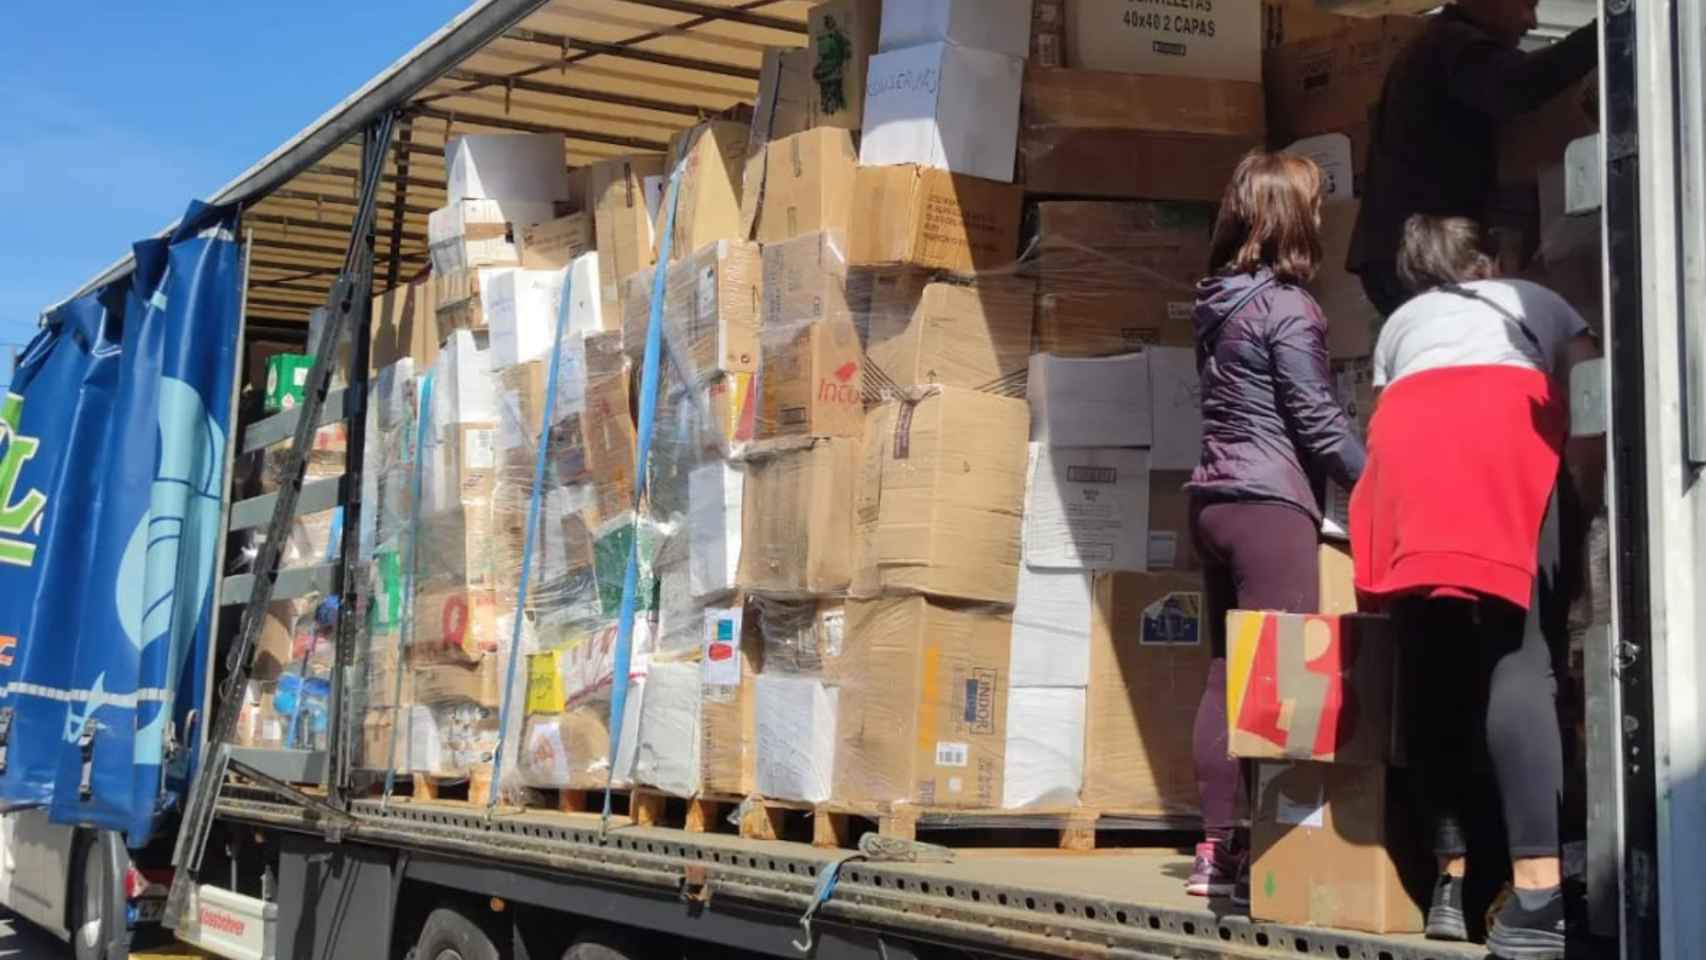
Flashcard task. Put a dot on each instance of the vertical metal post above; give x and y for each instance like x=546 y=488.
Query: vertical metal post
x=394 y=269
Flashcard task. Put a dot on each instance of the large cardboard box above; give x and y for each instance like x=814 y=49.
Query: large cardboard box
x=1087 y=508
x=404 y=325
x=1202 y=40
x=733 y=652
x=796 y=738
x=1352 y=321
x=716 y=498
x=1003 y=26
x=786 y=104
x=917 y=216
x=622 y=221
x=1334 y=847
x=974 y=335
x=923 y=704
x=944 y=106
x=1328 y=83
x=804 y=184
x=521 y=308
x=481 y=233
x=805 y=279
x=1171 y=544
x=1535 y=141
x=1149 y=657
x=478 y=682
x=507 y=167
x=811 y=381
x=939 y=503
x=797 y=535
x=1091 y=401
x=707 y=206
x=454 y=624
x=1096 y=133
x=1146 y=256
x=842 y=35
x=711 y=310
x=1094 y=325
x=554 y=244
x=1312 y=687
x=1044 y=761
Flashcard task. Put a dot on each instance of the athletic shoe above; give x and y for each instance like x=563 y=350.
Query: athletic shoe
x=1445 y=914
x=1215 y=872
x=1531 y=931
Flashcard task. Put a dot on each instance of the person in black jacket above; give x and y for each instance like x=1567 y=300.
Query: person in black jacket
x=1272 y=433
x=1433 y=147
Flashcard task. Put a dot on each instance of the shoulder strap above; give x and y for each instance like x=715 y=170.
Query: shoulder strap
x=1501 y=311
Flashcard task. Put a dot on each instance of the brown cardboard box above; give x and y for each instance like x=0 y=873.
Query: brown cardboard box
x=457 y=301
x=728 y=719
x=622 y=222
x=476 y=682
x=917 y=216
x=388 y=680
x=1312 y=687
x=810 y=381
x=805 y=279
x=1100 y=325
x=609 y=433
x=958 y=335
x=1352 y=321
x=1171 y=545
x=805 y=185
x=1535 y=141
x=457 y=545
x=552 y=245
x=1328 y=83
x=941 y=494
x=1149 y=655
x=711 y=307
x=452 y=625
x=797 y=528
x=1333 y=848
x=707 y=206
x=785 y=105
x=404 y=324
x=1338 y=580
x=923 y=704
x=842 y=36
x=377 y=740
x=275 y=647
x=1108 y=250
x=1287 y=21
x=1096 y=133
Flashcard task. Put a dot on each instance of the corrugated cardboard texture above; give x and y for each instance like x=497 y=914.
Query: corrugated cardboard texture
x=1099 y=325
x=553 y=244
x=806 y=185
x=1311 y=687
x=1218 y=41
x=622 y=221
x=1149 y=654
x=1329 y=83
x=805 y=279
x=797 y=535
x=1107 y=249
x=1338 y=586
x=923 y=704
x=910 y=215
x=1332 y=848
x=941 y=496
x=811 y=380
x=843 y=35
x=711 y=308
x=708 y=203
x=472 y=682
x=1352 y=321
x=729 y=727
x=976 y=335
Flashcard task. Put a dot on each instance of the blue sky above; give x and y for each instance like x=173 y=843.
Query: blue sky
x=116 y=114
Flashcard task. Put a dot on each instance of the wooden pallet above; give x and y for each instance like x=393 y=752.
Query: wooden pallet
x=475 y=789
x=840 y=825
x=646 y=807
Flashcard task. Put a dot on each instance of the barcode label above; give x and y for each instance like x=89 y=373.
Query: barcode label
x=478 y=451
x=953 y=754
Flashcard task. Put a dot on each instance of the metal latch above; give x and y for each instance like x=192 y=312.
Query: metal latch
x=86 y=746
x=5 y=735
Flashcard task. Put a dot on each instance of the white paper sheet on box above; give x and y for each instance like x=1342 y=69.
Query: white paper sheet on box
x=667 y=749
x=796 y=738
x=1175 y=408
x=1087 y=508
x=521 y=313
x=1045 y=746
x=943 y=106
x=1051 y=628
x=714 y=497
x=1090 y=401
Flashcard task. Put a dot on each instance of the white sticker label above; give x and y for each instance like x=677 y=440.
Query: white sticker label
x=1163 y=549
x=834 y=629
x=955 y=785
x=722 y=647
x=477 y=450
x=953 y=754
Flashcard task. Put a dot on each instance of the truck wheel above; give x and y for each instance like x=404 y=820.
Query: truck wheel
x=448 y=935
x=606 y=944
x=91 y=922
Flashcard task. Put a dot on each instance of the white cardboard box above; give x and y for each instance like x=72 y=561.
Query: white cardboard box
x=1087 y=508
x=480 y=233
x=796 y=738
x=1175 y=409
x=666 y=751
x=1209 y=40
x=1000 y=26
x=521 y=313
x=1051 y=628
x=714 y=499
x=1090 y=401
x=1045 y=746
x=586 y=302
x=944 y=106
x=507 y=166
x=463 y=389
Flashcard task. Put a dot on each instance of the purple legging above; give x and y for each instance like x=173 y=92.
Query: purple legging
x=1256 y=556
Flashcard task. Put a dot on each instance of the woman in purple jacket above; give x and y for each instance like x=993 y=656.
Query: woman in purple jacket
x=1272 y=433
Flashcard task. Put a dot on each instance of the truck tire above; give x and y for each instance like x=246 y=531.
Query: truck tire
x=91 y=901
x=448 y=935
x=605 y=944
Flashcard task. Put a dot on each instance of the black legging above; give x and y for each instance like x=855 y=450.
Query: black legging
x=1486 y=675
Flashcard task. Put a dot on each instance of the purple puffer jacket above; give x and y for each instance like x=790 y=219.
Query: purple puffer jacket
x=1271 y=428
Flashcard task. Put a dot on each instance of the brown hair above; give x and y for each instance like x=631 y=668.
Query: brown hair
x=1270 y=217
x=1441 y=251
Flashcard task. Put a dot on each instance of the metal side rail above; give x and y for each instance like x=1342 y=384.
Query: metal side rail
x=694 y=885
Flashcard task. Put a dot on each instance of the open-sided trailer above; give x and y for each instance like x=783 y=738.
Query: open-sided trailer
x=278 y=855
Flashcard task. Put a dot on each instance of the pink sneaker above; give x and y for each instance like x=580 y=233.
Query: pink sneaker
x=1217 y=871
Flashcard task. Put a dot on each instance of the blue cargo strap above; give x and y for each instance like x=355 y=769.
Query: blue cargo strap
x=533 y=504
x=624 y=654
x=406 y=630
x=828 y=877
